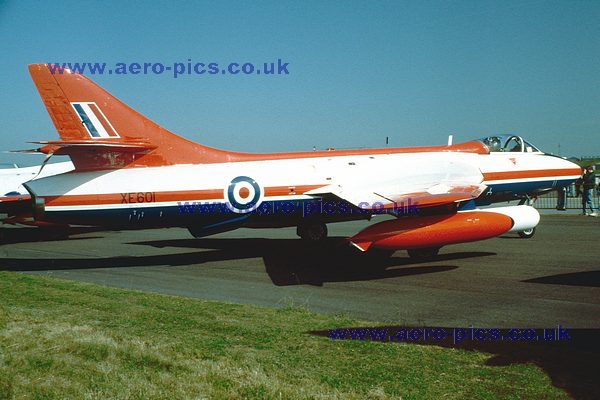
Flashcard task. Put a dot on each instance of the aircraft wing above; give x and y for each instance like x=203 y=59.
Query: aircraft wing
x=431 y=183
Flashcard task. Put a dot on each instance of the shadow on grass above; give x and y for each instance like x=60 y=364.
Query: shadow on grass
x=287 y=261
x=572 y=364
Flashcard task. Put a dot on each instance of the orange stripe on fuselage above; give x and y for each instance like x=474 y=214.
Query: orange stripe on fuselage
x=159 y=197
x=542 y=173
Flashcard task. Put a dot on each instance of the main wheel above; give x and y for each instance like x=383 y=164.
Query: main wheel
x=423 y=253
x=312 y=232
x=527 y=234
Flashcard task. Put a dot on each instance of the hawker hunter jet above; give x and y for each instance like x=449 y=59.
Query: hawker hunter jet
x=130 y=173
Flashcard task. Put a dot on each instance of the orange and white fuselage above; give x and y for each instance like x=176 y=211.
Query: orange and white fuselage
x=277 y=180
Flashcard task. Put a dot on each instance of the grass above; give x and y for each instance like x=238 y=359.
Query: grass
x=60 y=339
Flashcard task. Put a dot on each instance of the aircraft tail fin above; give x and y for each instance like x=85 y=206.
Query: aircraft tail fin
x=98 y=131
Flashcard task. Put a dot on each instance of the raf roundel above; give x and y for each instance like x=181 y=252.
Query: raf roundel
x=243 y=195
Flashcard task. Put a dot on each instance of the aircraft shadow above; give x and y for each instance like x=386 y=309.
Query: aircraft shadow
x=287 y=261
x=584 y=278
x=295 y=262
x=572 y=365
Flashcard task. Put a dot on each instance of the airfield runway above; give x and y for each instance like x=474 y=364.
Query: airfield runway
x=551 y=279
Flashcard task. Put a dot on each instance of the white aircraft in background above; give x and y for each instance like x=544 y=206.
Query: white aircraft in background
x=12 y=179
x=15 y=201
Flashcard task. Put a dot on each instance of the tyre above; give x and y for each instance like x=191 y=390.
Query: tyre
x=527 y=234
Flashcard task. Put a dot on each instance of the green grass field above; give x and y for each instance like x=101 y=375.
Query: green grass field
x=60 y=339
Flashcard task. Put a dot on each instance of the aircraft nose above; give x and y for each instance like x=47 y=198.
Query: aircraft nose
x=572 y=166
x=564 y=169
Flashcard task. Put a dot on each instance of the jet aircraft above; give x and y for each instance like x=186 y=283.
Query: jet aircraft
x=130 y=173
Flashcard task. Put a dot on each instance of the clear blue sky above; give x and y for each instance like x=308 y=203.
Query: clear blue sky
x=359 y=71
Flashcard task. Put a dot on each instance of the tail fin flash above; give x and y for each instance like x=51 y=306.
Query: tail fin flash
x=100 y=132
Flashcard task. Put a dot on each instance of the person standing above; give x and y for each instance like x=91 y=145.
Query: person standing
x=588 y=181
x=561 y=198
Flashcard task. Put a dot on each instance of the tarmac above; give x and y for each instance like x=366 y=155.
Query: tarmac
x=549 y=280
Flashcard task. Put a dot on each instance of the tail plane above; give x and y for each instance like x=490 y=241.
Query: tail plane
x=98 y=131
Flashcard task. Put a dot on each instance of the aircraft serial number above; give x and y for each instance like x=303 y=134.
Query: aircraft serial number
x=138 y=197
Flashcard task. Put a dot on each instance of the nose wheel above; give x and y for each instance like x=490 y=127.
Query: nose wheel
x=527 y=234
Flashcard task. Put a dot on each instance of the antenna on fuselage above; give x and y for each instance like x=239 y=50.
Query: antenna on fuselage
x=449 y=140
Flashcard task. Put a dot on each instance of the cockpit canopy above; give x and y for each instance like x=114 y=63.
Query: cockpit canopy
x=508 y=144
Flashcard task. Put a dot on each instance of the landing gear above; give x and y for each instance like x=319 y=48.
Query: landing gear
x=423 y=253
x=528 y=200
x=527 y=234
x=314 y=232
